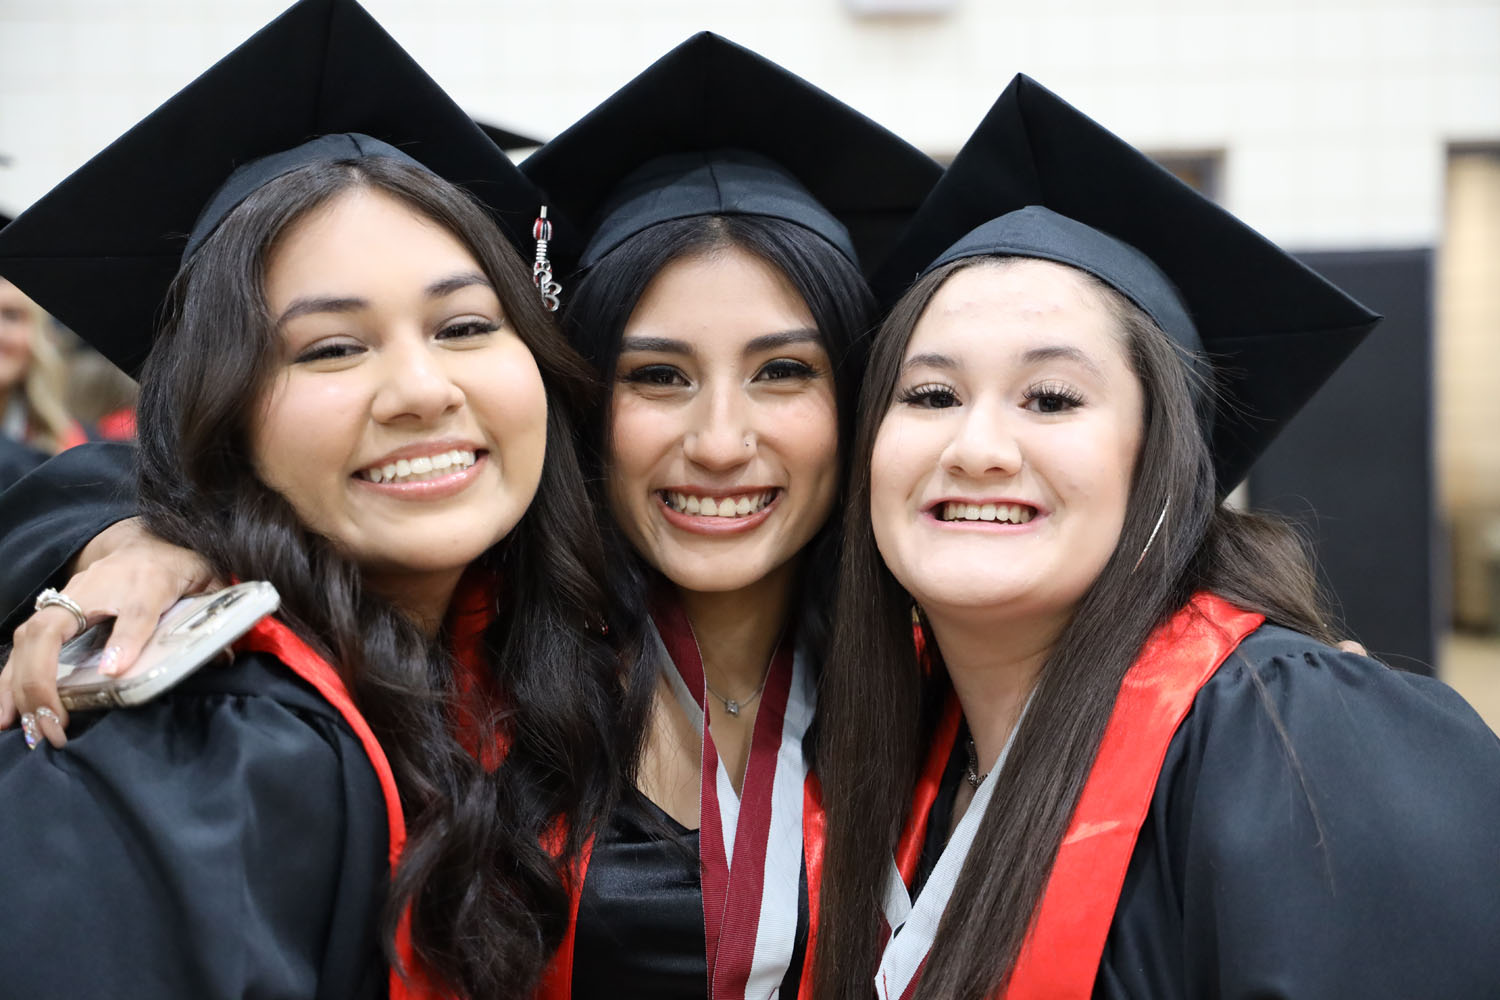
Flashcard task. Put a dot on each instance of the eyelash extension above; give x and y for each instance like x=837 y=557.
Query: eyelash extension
x=788 y=368
x=471 y=328
x=326 y=352
x=657 y=375
x=1054 y=390
x=926 y=393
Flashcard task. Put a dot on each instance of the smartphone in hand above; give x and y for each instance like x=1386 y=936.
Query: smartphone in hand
x=191 y=633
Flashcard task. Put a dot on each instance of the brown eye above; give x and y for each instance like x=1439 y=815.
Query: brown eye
x=783 y=369
x=930 y=397
x=1052 y=398
x=654 y=375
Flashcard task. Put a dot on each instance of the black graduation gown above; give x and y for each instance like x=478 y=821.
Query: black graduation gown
x=1357 y=857
x=51 y=514
x=226 y=840
x=17 y=459
x=640 y=915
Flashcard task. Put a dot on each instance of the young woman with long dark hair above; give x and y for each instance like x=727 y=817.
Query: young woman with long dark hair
x=358 y=396
x=1139 y=769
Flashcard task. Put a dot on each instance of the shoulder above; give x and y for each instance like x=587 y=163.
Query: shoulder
x=1283 y=688
x=1324 y=825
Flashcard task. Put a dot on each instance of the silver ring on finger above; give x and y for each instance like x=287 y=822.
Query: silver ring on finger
x=51 y=598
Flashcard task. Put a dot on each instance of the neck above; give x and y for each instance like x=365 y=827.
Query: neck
x=422 y=599
x=737 y=630
x=994 y=666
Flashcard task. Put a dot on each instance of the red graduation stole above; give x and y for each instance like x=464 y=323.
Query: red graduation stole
x=1060 y=956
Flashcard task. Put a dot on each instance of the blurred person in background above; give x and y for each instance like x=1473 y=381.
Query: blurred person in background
x=101 y=395
x=34 y=421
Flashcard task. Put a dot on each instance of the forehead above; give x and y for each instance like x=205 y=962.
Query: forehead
x=721 y=298
x=1005 y=306
x=360 y=238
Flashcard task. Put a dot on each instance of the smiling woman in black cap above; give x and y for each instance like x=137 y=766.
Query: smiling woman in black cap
x=723 y=208
x=356 y=395
x=1146 y=773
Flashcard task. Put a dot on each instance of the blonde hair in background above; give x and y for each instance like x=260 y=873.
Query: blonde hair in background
x=42 y=389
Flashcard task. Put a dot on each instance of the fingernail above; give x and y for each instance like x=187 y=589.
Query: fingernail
x=51 y=726
x=109 y=661
x=29 y=727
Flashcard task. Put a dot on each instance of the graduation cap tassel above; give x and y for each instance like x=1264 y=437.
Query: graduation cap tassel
x=541 y=271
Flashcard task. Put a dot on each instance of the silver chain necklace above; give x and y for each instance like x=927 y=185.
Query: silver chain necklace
x=973 y=777
x=734 y=705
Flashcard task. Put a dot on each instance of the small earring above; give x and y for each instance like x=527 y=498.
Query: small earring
x=541 y=271
x=1154 y=530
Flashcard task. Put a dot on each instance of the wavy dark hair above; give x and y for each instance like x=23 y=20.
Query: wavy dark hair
x=489 y=904
x=594 y=320
x=879 y=709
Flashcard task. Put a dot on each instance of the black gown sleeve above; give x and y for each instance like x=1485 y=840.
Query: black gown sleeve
x=17 y=459
x=52 y=513
x=225 y=841
x=1323 y=826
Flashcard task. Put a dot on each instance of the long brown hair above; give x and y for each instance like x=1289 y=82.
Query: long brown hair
x=489 y=904
x=877 y=708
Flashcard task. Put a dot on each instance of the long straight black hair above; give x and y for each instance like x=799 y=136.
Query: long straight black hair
x=489 y=904
x=594 y=320
x=878 y=708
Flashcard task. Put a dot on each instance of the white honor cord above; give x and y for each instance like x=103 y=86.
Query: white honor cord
x=729 y=799
x=917 y=921
x=776 y=934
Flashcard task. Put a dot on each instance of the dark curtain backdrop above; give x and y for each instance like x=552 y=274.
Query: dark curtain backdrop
x=1356 y=467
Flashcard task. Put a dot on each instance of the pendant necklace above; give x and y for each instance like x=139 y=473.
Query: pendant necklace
x=973 y=777
x=734 y=705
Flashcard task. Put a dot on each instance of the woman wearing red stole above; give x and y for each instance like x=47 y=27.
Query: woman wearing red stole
x=1139 y=769
x=720 y=297
x=356 y=395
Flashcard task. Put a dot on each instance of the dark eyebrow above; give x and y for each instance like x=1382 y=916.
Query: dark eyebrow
x=1060 y=353
x=786 y=338
x=656 y=345
x=326 y=304
x=346 y=304
x=452 y=283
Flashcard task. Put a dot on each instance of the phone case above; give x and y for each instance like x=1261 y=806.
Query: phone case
x=192 y=632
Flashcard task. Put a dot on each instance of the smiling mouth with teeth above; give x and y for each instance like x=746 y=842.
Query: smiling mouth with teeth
x=742 y=505
x=417 y=469
x=1005 y=513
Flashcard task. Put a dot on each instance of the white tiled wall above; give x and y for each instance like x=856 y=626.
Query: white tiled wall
x=1334 y=114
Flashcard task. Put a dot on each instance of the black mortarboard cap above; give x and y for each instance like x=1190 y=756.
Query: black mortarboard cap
x=713 y=128
x=100 y=249
x=6 y=219
x=1273 y=329
x=506 y=139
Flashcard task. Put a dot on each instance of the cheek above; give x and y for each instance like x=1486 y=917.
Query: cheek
x=289 y=459
x=517 y=409
x=639 y=434
x=895 y=471
x=807 y=431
